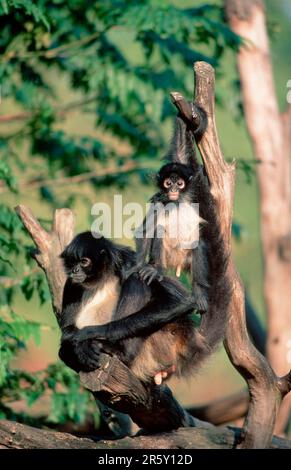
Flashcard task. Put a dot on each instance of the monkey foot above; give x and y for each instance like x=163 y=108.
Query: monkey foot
x=163 y=375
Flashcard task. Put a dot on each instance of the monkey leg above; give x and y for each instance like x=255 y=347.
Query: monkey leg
x=199 y=270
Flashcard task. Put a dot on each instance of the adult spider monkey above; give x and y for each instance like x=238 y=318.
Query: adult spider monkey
x=97 y=292
x=158 y=241
x=148 y=326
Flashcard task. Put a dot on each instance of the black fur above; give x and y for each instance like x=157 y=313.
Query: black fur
x=151 y=250
x=210 y=284
x=182 y=148
x=140 y=312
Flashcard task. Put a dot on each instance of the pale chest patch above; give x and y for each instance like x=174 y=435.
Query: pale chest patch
x=99 y=308
x=179 y=228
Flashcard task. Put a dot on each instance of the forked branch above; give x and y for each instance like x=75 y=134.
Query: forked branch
x=265 y=389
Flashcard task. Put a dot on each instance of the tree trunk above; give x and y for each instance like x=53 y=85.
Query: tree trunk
x=270 y=135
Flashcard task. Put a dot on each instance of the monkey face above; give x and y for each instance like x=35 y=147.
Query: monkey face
x=78 y=270
x=174 y=185
x=173 y=179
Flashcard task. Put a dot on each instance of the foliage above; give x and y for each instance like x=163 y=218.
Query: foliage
x=118 y=60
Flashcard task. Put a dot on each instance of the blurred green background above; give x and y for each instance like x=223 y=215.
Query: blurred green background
x=119 y=126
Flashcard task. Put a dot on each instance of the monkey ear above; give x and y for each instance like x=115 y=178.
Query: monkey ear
x=103 y=251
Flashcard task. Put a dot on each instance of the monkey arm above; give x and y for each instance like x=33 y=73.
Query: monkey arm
x=145 y=321
x=79 y=356
x=144 y=236
x=144 y=240
x=166 y=305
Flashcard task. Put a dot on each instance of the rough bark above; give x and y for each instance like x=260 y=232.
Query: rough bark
x=255 y=327
x=264 y=387
x=20 y=436
x=270 y=135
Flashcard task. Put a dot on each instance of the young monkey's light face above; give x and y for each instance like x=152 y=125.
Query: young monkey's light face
x=173 y=185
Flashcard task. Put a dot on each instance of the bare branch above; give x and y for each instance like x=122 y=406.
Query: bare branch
x=81 y=178
x=224 y=410
x=60 y=110
x=40 y=237
x=20 y=436
x=49 y=246
x=260 y=378
x=53 y=52
x=284 y=384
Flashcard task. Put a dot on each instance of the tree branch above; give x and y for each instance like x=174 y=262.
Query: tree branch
x=265 y=396
x=19 y=436
x=235 y=406
x=224 y=410
x=53 y=52
x=60 y=110
x=81 y=178
x=49 y=246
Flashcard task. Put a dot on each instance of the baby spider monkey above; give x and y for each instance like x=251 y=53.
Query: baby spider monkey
x=173 y=235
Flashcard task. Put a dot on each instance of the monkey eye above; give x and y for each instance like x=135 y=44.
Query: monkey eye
x=167 y=183
x=181 y=184
x=85 y=262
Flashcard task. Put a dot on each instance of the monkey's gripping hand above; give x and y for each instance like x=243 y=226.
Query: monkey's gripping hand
x=148 y=273
x=81 y=355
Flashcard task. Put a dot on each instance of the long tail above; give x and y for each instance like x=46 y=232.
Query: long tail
x=213 y=322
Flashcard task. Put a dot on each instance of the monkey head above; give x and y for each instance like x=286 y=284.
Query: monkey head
x=173 y=179
x=91 y=257
x=86 y=258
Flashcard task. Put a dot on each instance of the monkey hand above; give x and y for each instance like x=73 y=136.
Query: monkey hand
x=88 y=354
x=148 y=273
x=132 y=270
